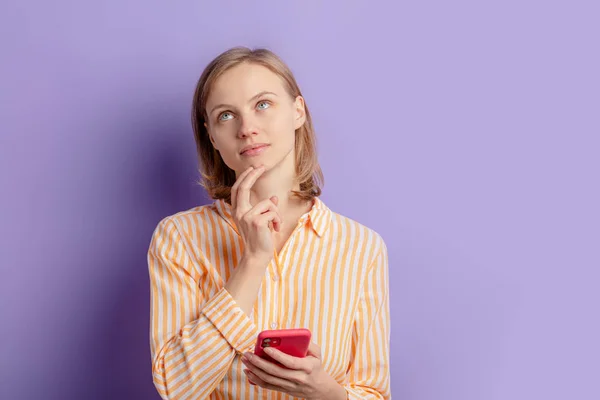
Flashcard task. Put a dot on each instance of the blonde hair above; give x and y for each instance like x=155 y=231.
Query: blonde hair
x=217 y=177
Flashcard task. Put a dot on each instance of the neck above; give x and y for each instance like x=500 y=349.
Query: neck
x=279 y=181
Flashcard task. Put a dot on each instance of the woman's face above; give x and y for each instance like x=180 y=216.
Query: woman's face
x=249 y=106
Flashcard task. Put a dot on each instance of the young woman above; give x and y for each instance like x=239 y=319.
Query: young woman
x=266 y=254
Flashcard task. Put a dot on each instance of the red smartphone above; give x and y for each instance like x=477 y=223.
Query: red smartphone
x=294 y=342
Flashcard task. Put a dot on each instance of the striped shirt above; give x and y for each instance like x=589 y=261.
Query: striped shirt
x=330 y=277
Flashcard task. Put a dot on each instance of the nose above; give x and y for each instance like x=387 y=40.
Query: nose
x=247 y=127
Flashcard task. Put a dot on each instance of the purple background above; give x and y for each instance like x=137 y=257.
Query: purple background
x=466 y=133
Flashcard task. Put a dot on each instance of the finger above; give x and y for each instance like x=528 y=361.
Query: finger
x=255 y=380
x=247 y=373
x=290 y=362
x=262 y=208
x=276 y=226
x=236 y=185
x=252 y=378
x=262 y=378
x=267 y=218
x=314 y=350
x=243 y=191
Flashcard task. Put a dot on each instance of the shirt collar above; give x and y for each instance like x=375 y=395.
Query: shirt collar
x=319 y=216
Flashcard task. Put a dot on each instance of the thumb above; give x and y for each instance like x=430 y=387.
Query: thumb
x=314 y=350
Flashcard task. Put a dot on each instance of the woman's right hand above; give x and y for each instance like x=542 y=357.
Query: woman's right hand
x=255 y=223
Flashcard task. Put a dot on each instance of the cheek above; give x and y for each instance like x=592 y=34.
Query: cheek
x=224 y=135
x=287 y=131
x=282 y=123
x=224 y=144
x=228 y=150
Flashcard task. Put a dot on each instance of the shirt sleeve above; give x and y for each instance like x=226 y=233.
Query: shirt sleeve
x=369 y=372
x=193 y=340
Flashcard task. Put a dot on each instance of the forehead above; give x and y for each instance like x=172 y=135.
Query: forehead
x=240 y=83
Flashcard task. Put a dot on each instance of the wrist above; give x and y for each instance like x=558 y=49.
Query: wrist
x=332 y=390
x=253 y=261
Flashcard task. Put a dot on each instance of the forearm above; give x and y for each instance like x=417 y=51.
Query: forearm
x=201 y=353
x=187 y=359
x=244 y=283
x=334 y=391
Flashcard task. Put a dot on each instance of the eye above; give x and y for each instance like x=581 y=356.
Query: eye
x=263 y=105
x=225 y=116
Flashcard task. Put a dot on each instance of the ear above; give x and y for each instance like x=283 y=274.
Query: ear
x=210 y=136
x=299 y=112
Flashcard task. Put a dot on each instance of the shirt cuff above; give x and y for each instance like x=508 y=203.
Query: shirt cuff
x=231 y=321
x=356 y=394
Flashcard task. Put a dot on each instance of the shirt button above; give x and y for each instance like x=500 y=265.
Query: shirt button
x=275 y=278
x=273 y=325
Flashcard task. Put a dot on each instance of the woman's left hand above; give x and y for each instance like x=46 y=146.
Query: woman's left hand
x=305 y=377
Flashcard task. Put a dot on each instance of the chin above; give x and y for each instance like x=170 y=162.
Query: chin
x=255 y=163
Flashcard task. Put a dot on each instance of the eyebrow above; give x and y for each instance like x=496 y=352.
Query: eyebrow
x=256 y=96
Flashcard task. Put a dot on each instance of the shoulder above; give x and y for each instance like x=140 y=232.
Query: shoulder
x=346 y=228
x=190 y=219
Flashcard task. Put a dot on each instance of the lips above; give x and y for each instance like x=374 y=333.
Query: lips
x=254 y=148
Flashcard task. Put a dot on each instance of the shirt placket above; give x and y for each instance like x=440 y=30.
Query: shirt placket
x=276 y=271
